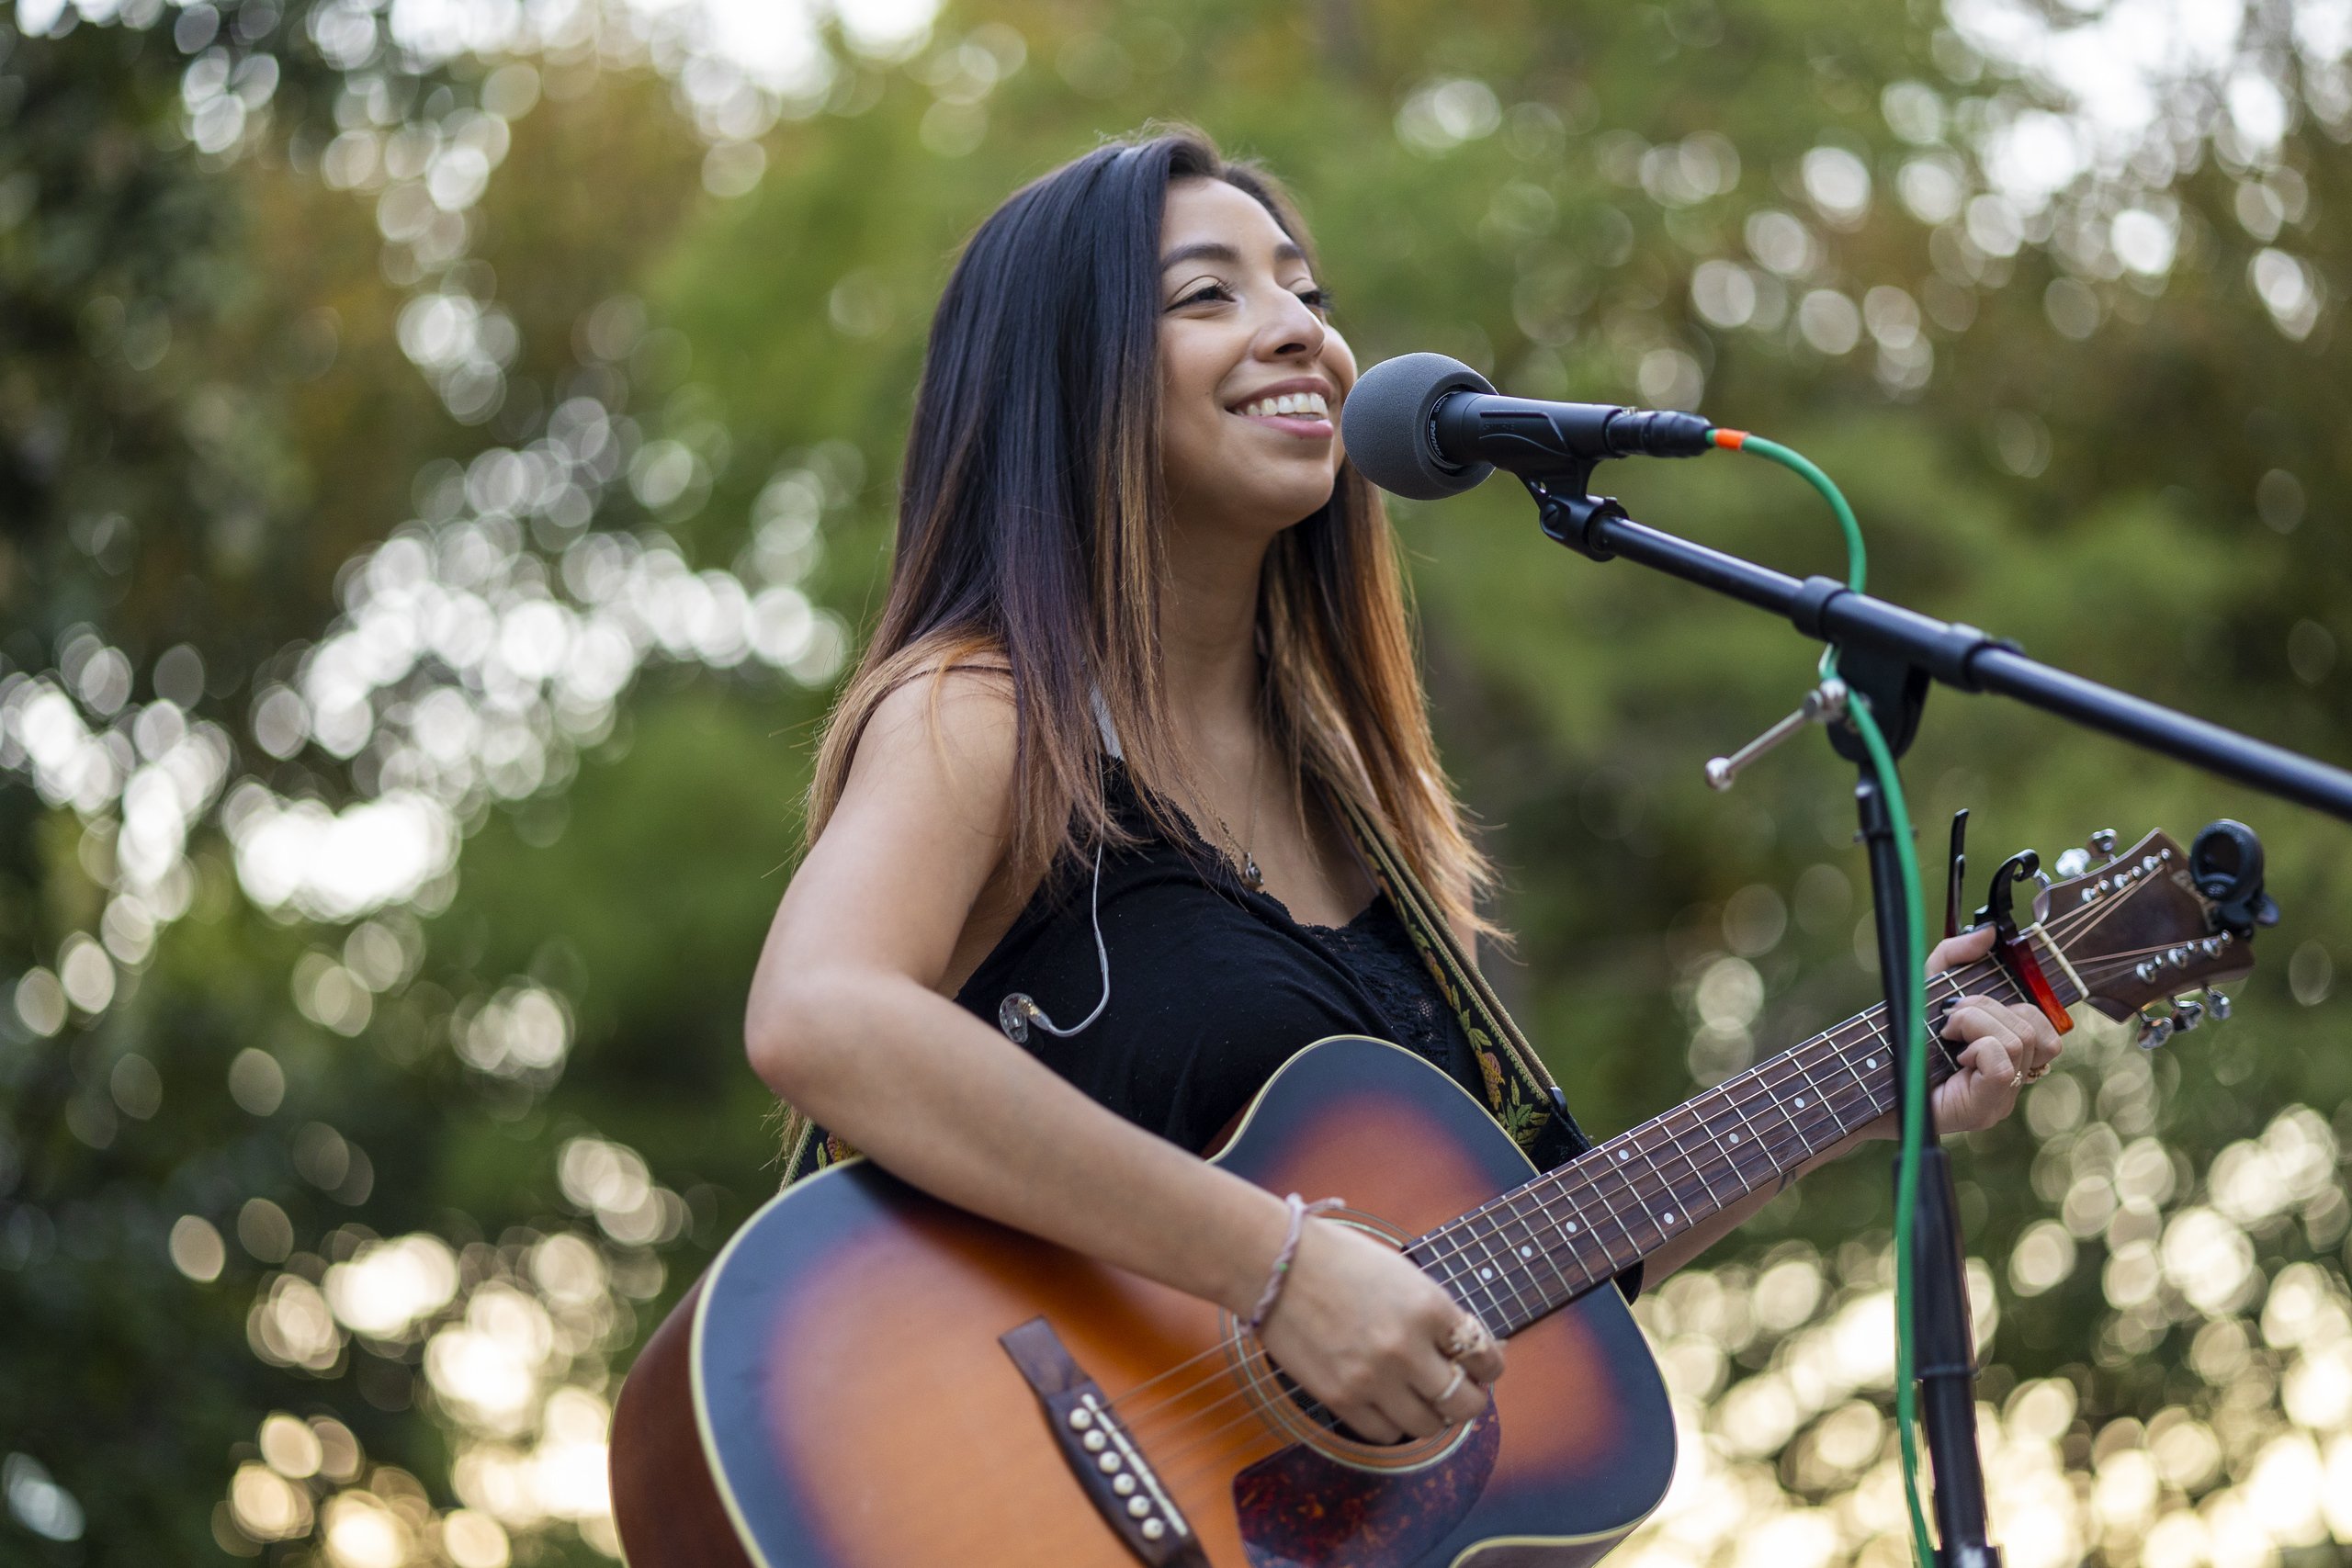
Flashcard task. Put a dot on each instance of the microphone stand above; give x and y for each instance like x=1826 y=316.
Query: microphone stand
x=1890 y=655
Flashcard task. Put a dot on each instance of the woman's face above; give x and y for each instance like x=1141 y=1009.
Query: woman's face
x=1252 y=370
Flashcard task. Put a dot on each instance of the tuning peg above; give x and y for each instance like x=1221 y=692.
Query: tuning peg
x=2153 y=1031
x=2217 y=1006
x=2101 y=843
x=2074 y=862
x=2187 y=1014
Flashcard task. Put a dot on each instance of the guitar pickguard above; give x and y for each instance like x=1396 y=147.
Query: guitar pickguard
x=1300 y=1509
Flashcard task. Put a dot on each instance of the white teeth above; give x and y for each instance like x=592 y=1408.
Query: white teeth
x=1291 y=404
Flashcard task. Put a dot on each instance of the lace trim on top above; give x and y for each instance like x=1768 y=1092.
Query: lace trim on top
x=1376 y=948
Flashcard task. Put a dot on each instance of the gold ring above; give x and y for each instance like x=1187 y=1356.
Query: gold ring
x=2042 y=1072
x=1469 y=1337
x=2017 y=1078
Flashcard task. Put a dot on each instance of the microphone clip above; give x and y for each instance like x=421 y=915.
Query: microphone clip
x=1567 y=511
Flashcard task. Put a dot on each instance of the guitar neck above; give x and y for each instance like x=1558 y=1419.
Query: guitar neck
x=1539 y=1247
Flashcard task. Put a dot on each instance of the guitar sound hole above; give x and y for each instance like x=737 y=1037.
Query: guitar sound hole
x=1310 y=1407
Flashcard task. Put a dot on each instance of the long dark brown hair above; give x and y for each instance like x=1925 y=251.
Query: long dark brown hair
x=1032 y=539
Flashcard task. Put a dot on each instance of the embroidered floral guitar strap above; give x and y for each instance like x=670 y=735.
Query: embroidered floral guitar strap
x=1521 y=1092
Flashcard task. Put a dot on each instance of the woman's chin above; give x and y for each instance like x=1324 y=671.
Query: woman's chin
x=1273 y=513
x=1280 y=499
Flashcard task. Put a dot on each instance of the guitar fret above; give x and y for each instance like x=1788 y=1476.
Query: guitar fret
x=1627 y=1182
x=1483 y=1266
x=1450 y=1278
x=1560 y=1227
x=1666 y=1208
x=1535 y=1243
x=1465 y=1251
x=1506 y=1266
x=1711 y=1116
x=1746 y=1140
x=1708 y=1197
x=1598 y=1236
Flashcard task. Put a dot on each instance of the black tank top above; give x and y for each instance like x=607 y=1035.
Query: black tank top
x=1212 y=985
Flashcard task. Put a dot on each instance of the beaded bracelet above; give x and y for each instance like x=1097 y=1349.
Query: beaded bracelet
x=1299 y=1210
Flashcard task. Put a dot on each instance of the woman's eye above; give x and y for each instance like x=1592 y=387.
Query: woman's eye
x=1208 y=293
x=1316 y=299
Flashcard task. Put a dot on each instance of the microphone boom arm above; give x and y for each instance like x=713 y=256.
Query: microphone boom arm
x=1955 y=654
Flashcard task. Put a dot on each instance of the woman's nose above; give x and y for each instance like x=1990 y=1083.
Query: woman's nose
x=1294 y=329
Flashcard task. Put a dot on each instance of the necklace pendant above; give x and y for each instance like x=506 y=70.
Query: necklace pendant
x=1252 y=878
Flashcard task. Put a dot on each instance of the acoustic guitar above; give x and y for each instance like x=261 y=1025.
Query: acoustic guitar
x=868 y=1378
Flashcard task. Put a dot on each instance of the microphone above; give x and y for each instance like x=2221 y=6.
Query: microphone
x=1424 y=427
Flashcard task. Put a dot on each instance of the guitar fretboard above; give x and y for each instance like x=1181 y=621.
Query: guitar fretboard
x=1535 y=1248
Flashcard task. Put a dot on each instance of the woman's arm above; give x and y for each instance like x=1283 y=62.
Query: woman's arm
x=847 y=1021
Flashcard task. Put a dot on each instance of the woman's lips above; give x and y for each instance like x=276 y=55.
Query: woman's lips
x=1305 y=426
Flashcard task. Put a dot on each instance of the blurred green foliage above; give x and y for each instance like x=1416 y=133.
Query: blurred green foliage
x=221 y=389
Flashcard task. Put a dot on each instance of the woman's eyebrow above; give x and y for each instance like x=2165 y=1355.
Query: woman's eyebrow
x=1218 y=251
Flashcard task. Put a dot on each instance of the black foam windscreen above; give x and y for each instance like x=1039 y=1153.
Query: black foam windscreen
x=1386 y=426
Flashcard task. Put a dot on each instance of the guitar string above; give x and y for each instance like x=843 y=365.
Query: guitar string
x=1587 y=1188
x=1190 y=1450
x=1242 y=1389
x=1699 y=1113
x=1801 y=1135
x=1137 y=1416
x=1810 y=1057
x=1177 y=1479
x=1831 y=1059
x=1984 y=969
x=1836 y=1056
x=1821 y=1054
x=1806 y=1133
x=1182 y=1453
x=1839 y=1124
x=2062 y=926
x=1193 y=1446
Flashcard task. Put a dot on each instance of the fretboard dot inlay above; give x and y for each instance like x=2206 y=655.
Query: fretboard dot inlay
x=1485 y=1273
x=1569 y=1229
x=1870 y=1062
x=1799 y=1102
x=1670 y=1216
x=1624 y=1155
x=1527 y=1252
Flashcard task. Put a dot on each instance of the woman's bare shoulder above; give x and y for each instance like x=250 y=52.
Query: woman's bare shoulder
x=942 y=738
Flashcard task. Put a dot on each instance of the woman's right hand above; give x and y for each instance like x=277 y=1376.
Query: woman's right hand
x=1359 y=1327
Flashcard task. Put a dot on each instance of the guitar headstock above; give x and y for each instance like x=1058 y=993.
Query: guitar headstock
x=2151 y=924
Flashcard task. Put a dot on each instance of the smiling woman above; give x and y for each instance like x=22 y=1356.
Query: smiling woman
x=1137 y=723
x=1130 y=801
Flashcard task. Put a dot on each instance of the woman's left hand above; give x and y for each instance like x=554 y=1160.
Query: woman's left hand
x=2002 y=1046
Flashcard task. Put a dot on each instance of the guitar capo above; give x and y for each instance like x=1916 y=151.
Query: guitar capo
x=2010 y=947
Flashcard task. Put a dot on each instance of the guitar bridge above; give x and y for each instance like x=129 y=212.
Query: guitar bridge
x=1109 y=1464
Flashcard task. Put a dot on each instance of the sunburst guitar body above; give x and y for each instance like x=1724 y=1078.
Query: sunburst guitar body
x=837 y=1390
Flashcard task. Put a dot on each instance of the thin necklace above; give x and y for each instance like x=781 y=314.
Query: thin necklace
x=1252 y=878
